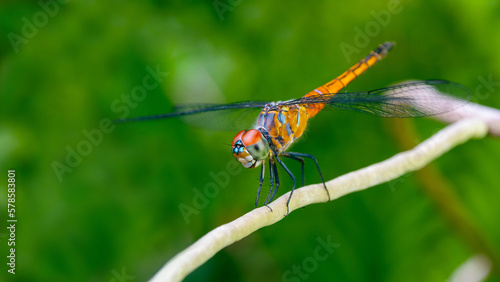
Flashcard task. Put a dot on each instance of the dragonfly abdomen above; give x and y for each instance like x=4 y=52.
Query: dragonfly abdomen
x=341 y=81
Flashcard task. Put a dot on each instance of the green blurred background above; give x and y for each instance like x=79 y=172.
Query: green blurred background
x=117 y=211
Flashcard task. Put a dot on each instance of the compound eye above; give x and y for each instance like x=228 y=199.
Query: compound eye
x=251 y=137
x=256 y=145
x=238 y=136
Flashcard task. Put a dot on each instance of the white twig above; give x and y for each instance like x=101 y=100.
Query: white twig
x=476 y=268
x=207 y=246
x=453 y=109
x=490 y=115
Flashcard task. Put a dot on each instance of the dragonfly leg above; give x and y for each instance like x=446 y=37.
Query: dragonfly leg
x=261 y=180
x=317 y=166
x=276 y=181
x=271 y=171
x=294 y=182
x=301 y=160
x=271 y=176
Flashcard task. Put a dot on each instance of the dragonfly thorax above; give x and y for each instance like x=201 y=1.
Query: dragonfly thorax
x=250 y=148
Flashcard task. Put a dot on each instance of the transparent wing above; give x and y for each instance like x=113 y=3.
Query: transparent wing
x=414 y=99
x=233 y=116
x=225 y=119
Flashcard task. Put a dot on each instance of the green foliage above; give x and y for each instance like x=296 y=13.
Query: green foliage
x=118 y=210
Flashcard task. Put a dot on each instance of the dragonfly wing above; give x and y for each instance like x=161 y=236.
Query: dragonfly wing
x=234 y=116
x=413 y=99
x=232 y=119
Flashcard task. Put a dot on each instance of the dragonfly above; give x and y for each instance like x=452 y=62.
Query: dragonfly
x=280 y=123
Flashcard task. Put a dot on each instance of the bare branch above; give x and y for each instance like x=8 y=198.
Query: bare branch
x=490 y=115
x=207 y=246
x=454 y=109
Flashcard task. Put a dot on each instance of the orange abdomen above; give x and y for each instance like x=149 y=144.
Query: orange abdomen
x=341 y=81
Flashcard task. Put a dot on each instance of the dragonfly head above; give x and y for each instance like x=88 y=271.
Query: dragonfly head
x=250 y=148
